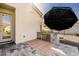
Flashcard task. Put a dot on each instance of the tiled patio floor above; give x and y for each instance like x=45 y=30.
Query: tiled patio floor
x=41 y=46
x=38 y=48
x=45 y=48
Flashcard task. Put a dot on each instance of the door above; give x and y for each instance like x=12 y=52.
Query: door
x=5 y=27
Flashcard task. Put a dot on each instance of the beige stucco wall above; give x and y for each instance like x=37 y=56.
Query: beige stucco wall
x=27 y=22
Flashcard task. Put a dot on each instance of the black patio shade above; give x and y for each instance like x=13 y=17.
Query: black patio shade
x=60 y=18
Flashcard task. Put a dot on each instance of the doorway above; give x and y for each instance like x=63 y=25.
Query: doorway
x=7 y=24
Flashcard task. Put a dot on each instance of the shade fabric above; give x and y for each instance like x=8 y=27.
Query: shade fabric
x=60 y=18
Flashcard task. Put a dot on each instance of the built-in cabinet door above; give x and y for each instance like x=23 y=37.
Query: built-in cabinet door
x=5 y=27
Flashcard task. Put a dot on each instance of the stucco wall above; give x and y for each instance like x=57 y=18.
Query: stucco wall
x=27 y=22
